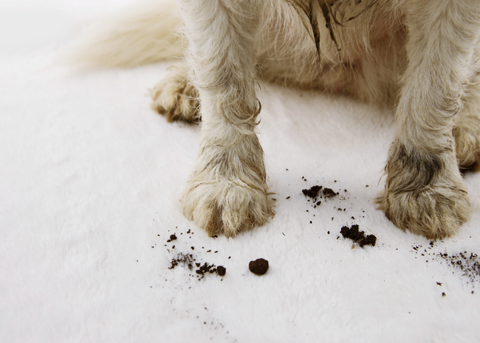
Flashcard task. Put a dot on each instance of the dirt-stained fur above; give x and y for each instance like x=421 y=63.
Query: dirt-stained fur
x=418 y=55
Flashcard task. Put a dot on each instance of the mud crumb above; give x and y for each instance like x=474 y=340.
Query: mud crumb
x=358 y=236
x=329 y=193
x=172 y=238
x=312 y=192
x=221 y=270
x=259 y=266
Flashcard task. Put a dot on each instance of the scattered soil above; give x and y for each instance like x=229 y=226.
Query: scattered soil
x=210 y=268
x=188 y=260
x=259 y=266
x=184 y=259
x=468 y=263
x=358 y=236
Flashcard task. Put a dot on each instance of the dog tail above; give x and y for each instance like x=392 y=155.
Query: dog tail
x=142 y=33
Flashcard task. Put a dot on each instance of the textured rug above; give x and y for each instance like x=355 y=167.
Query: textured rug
x=90 y=219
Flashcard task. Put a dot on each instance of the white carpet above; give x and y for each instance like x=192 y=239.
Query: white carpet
x=89 y=187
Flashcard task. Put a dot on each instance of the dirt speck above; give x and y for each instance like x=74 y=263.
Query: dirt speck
x=172 y=238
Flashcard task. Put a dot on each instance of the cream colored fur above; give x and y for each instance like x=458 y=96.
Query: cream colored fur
x=145 y=32
x=420 y=55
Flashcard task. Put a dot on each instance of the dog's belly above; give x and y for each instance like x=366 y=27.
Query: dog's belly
x=370 y=60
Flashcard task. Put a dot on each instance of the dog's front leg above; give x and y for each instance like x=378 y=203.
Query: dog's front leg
x=227 y=190
x=424 y=191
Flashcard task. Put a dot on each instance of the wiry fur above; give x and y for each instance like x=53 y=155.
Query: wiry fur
x=424 y=191
x=420 y=55
x=227 y=190
x=466 y=128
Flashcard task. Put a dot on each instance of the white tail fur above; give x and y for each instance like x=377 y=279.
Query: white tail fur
x=142 y=33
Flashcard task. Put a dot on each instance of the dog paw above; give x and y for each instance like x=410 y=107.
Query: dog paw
x=424 y=193
x=467 y=142
x=175 y=97
x=435 y=213
x=227 y=190
x=224 y=207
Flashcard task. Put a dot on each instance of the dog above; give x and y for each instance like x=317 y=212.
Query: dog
x=420 y=56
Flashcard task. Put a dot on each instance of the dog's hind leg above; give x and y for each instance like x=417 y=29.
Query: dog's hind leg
x=226 y=191
x=175 y=96
x=466 y=130
x=424 y=191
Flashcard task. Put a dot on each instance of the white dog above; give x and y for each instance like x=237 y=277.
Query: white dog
x=419 y=55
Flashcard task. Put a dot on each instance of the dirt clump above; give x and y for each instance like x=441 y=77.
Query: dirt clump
x=312 y=192
x=259 y=266
x=358 y=236
x=329 y=193
x=221 y=270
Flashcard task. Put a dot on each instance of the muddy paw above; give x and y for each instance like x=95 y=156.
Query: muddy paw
x=224 y=207
x=467 y=141
x=227 y=190
x=424 y=193
x=175 y=97
x=434 y=212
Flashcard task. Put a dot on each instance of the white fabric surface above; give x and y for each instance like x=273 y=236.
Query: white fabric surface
x=89 y=187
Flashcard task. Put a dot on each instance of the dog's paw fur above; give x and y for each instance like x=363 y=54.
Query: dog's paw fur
x=175 y=97
x=227 y=190
x=224 y=207
x=424 y=193
x=467 y=140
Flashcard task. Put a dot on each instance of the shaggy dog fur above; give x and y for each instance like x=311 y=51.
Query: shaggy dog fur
x=420 y=56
